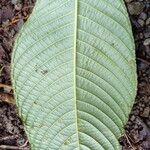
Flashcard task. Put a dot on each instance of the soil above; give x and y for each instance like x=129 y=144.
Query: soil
x=13 y=14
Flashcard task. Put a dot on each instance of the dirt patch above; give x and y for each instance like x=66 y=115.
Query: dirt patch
x=137 y=136
x=13 y=14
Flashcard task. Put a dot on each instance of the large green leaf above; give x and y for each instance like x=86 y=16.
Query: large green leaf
x=74 y=74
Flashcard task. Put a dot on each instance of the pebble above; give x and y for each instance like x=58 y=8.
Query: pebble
x=146 y=145
x=135 y=136
x=18 y=7
x=140 y=36
x=20 y=23
x=147 y=42
x=5 y=23
x=141 y=22
x=148 y=123
x=13 y=32
x=7 y=13
x=132 y=118
x=143 y=16
x=147 y=34
x=148 y=21
x=146 y=112
x=135 y=8
x=14 y=2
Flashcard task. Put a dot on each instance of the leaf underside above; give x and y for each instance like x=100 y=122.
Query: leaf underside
x=74 y=74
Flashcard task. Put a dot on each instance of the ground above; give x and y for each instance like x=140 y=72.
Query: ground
x=13 y=14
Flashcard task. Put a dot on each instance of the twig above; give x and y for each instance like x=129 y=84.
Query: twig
x=13 y=21
x=5 y=86
x=5 y=97
x=15 y=147
x=1 y=70
x=126 y=136
x=144 y=61
x=16 y=19
x=8 y=137
x=25 y=144
x=27 y=7
x=5 y=147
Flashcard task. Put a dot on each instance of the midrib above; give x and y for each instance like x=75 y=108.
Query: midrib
x=75 y=58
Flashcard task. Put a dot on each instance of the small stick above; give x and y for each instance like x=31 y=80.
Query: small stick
x=1 y=70
x=13 y=21
x=126 y=136
x=27 y=7
x=16 y=19
x=5 y=97
x=5 y=86
x=8 y=137
x=5 y=147
x=144 y=61
x=25 y=144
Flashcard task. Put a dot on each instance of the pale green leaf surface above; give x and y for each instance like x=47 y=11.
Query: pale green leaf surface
x=74 y=74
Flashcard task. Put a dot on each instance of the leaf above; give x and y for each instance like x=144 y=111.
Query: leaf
x=74 y=74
